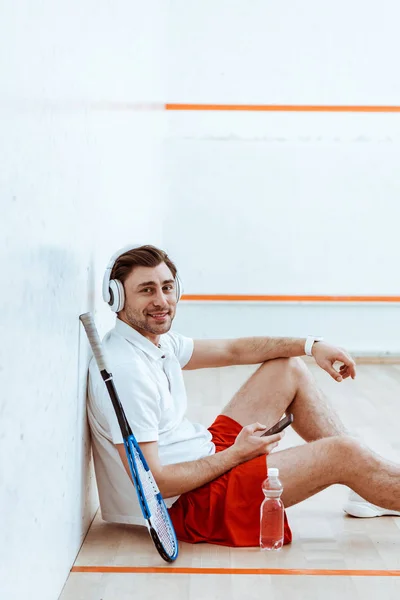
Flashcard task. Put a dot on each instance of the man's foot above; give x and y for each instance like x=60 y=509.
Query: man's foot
x=358 y=507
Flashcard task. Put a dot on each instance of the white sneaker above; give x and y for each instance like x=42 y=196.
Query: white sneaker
x=358 y=507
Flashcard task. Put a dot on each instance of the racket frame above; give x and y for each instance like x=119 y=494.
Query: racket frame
x=129 y=441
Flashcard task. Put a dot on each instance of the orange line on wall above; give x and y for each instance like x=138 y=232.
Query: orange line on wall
x=282 y=108
x=280 y=298
x=219 y=571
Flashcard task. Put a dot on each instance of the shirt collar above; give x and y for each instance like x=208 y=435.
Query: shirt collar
x=137 y=339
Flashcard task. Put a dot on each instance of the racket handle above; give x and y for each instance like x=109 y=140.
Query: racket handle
x=94 y=340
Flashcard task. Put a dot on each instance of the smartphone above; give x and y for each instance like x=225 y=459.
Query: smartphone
x=283 y=423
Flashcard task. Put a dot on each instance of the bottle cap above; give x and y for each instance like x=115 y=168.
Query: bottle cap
x=273 y=472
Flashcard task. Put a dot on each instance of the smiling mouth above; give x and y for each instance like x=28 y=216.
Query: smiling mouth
x=159 y=316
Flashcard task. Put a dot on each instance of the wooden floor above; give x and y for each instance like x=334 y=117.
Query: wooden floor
x=332 y=555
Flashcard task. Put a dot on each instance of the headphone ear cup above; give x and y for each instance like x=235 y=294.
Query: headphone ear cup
x=117 y=293
x=179 y=287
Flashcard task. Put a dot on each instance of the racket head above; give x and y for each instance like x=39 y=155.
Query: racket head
x=151 y=502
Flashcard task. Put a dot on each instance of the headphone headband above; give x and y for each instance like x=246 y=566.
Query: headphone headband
x=111 y=263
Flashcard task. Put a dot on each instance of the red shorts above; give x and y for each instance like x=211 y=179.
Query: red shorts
x=225 y=511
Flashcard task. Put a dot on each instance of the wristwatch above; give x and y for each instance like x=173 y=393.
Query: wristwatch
x=310 y=342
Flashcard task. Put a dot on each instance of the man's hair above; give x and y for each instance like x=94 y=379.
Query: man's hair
x=145 y=256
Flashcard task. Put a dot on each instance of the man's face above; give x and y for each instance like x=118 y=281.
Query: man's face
x=150 y=300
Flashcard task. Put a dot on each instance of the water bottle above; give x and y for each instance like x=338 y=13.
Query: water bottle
x=272 y=513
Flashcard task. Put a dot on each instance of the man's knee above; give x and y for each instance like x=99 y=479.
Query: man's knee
x=293 y=366
x=298 y=365
x=345 y=447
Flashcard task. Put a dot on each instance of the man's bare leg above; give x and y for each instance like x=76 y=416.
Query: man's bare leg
x=285 y=385
x=310 y=468
x=332 y=456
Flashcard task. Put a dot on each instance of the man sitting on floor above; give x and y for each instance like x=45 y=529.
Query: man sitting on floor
x=211 y=478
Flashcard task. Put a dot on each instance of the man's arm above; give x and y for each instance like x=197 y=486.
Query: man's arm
x=243 y=351
x=255 y=350
x=179 y=478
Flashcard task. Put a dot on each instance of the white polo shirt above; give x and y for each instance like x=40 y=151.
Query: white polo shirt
x=150 y=386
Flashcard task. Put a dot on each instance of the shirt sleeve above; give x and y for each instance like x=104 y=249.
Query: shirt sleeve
x=182 y=346
x=140 y=400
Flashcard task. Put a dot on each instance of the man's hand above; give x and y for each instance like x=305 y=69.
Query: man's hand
x=179 y=478
x=326 y=356
x=248 y=445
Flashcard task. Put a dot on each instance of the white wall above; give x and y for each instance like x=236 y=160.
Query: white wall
x=307 y=52
x=78 y=179
x=286 y=203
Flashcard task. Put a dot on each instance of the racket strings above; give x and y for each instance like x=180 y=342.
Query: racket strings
x=159 y=515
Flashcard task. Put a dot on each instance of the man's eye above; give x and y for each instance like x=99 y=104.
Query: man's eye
x=146 y=290
x=169 y=288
